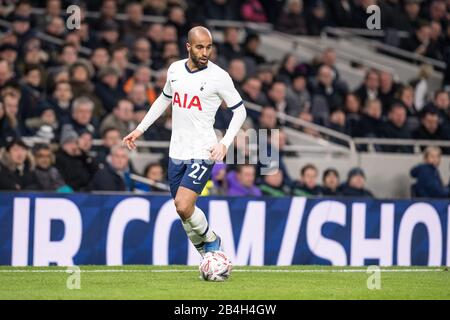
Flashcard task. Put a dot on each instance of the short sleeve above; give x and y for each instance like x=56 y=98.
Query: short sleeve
x=228 y=93
x=167 y=91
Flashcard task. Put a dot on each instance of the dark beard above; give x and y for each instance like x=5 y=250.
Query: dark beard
x=196 y=62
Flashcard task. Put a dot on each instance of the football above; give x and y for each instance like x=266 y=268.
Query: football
x=215 y=266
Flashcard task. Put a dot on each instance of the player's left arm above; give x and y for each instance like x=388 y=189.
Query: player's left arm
x=233 y=99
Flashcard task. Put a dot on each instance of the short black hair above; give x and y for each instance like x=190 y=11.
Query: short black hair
x=307 y=167
x=329 y=171
x=41 y=146
x=16 y=141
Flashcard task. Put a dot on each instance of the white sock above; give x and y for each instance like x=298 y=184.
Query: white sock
x=199 y=225
x=195 y=238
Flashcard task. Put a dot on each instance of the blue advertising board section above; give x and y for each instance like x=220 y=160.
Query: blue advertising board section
x=78 y=229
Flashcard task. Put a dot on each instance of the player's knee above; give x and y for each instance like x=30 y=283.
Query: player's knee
x=184 y=209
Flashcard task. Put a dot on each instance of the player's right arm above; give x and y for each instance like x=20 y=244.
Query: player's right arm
x=157 y=109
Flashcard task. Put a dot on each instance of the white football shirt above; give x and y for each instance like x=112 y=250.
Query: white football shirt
x=196 y=96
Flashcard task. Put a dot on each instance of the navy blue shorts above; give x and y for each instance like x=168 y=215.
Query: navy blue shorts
x=192 y=174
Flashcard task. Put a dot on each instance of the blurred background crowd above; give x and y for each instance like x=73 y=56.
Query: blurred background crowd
x=99 y=81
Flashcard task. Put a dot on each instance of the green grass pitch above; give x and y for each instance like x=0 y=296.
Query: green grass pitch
x=259 y=283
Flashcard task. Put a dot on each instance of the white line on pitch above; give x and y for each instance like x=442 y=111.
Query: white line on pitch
x=234 y=270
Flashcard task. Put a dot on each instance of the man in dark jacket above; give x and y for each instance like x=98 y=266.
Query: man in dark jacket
x=115 y=176
x=76 y=167
x=430 y=129
x=273 y=184
x=429 y=183
x=47 y=176
x=395 y=127
x=355 y=185
x=307 y=185
x=370 y=122
x=16 y=168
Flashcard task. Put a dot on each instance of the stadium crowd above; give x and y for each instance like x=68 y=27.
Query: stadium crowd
x=102 y=78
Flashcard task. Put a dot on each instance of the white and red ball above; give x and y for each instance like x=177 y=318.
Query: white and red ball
x=215 y=266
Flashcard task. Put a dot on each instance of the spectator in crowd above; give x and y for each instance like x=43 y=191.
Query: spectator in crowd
x=251 y=46
x=355 y=185
x=341 y=13
x=338 y=123
x=219 y=179
x=307 y=183
x=85 y=144
x=253 y=11
x=428 y=179
x=352 y=108
x=429 y=129
x=45 y=125
x=68 y=55
x=10 y=125
x=155 y=36
x=406 y=97
x=409 y=19
x=121 y=118
x=142 y=53
x=370 y=122
x=442 y=103
x=115 y=175
x=76 y=167
x=395 y=128
x=328 y=58
x=326 y=97
x=108 y=12
x=16 y=167
x=266 y=75
x=155 y=172
x=47 y=176
x=268 y=118
x=220 y=10
x=273 y=184
x=330 y=182
x=134 y=26
x=287 y=69
x=80 y=74
x=237 y=72
x=231 y=47
x=252 y=92
x=387 y=90
x=308 y=118
x=177 y=17
x=277 y=98
x=292 y=19
x=143 y=76
x=138 y=95
x=119 y=59
x=9 y=53
x=298 y=93
x=317 y=18
x=82 y=115
x=421 y=86
x=108 y=88
x=14 y=125
x=52 y=9
x=242 y=181
x=110 y=137
x=6 y=73
x=108 y=34
x=420 y=42
x=33 y=86
x=61 y=101
x=100 y=59
x=369 y=90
